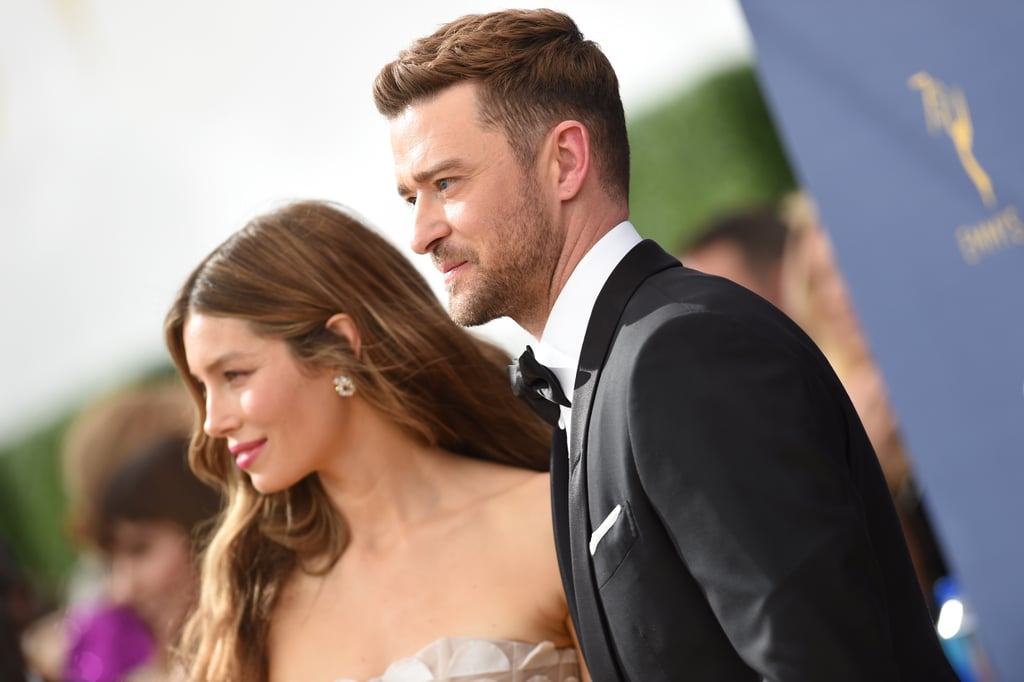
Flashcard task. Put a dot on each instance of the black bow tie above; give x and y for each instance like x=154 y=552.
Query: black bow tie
x=537 y=386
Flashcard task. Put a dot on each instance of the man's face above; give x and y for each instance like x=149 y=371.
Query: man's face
x=485 y=220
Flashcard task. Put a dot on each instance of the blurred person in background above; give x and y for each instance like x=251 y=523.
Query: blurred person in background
x=816 y=296
x=745 y=245
x=110 y=430
x=98 y=636
x=388 y=510
x=783 y=254
x=153 y=514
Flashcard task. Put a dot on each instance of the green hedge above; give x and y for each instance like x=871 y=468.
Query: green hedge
x=708 y=149
x=32 y=514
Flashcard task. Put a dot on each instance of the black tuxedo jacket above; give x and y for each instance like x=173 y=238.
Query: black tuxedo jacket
x=721 y=514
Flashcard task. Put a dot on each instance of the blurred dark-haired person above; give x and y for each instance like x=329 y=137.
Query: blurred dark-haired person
x=152 y=517
x=124 y=463
x=746 y=245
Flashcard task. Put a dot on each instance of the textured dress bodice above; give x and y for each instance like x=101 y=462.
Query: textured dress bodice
x=474 y=659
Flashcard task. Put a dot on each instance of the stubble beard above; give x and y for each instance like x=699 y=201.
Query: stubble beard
x=517 y=284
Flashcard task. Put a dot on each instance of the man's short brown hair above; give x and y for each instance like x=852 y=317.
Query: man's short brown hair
x=534 y=69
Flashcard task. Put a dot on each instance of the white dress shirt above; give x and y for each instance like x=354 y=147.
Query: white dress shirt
x=561 y=341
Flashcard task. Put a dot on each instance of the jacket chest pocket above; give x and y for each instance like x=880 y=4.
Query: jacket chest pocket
x=611 y=541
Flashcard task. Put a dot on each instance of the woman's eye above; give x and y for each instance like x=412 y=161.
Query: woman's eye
x=233 y=375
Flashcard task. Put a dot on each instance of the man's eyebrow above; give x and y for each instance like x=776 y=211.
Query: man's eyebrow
x=422 y=176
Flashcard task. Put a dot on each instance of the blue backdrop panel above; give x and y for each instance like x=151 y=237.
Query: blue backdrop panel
x=904 y=121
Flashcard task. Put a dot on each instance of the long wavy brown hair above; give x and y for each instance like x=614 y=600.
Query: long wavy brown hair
x=286 y=273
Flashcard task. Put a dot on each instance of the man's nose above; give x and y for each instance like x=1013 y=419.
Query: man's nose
x=430 y=224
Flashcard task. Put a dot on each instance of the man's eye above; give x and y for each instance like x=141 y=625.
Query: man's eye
x=444 y=183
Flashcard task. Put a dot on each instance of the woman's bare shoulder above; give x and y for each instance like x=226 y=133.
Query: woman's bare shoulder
x=521 y=490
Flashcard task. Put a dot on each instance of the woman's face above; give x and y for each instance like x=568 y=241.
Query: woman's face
x=152 y=571
x=282 y=421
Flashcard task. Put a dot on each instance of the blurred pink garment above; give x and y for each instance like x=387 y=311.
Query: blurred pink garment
x=106 y=644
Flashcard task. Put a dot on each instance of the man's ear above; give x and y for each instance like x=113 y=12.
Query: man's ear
x=343 y=325
x=571 y=144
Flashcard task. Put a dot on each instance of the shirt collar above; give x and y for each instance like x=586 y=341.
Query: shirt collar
x=561 y=341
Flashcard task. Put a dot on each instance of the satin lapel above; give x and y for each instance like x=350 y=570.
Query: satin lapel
x=645 y=259
x=560 y=515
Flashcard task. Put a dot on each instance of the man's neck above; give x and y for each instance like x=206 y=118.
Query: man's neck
x=585 y=230
x=569 y=316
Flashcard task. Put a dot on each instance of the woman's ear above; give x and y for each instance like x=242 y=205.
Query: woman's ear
x=343 y=325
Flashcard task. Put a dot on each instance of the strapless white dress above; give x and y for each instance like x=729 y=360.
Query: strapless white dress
x=474 y=659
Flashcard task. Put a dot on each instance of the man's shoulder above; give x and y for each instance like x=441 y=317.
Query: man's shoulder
x=680 y=292
x=693 y=306
x=653 y=294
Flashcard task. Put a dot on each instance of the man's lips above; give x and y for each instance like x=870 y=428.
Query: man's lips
x=246 y=452
x=450 y=268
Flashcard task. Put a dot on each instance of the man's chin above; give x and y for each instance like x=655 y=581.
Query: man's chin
x=469 y=313
x=467 y=319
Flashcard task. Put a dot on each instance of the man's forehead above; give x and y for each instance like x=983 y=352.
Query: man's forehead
x=443 y=130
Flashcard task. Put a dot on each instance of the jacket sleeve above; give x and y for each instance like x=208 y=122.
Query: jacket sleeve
x=740 y=438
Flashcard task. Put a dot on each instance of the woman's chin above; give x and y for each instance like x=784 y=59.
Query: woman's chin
x=265 y=485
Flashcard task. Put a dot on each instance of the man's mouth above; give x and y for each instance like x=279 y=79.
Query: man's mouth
x=451 y=268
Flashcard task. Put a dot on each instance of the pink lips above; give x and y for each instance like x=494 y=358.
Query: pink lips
x=449 y=269
x=245 y=453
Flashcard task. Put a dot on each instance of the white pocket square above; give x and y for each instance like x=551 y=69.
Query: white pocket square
x=602 y=530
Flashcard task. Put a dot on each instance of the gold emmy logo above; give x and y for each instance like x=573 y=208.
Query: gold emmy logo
x=945 y=109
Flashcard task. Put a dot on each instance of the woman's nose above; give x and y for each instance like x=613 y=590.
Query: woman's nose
x=220 y=421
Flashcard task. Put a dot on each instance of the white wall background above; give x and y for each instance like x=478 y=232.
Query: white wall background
x=135 y=135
